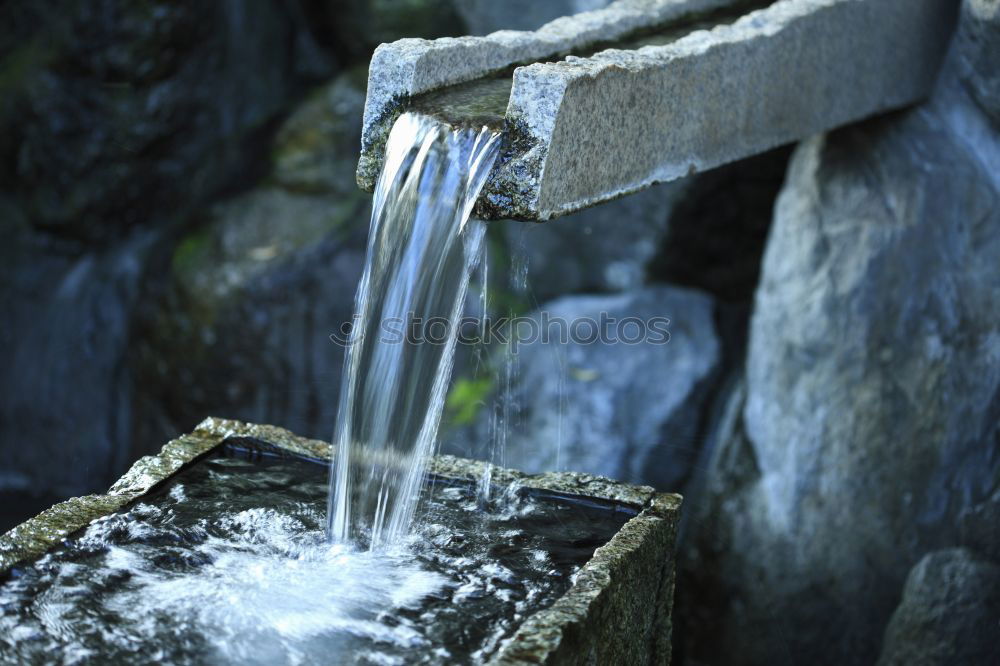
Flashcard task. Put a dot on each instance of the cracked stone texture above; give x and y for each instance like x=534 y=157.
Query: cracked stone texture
x=624 y=411
x=948 y=615
x=872 y=413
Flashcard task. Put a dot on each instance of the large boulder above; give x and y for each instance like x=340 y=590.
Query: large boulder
x=117 y=121
x=872 y=410
x=614 y=406
x=66 y=413
x=979 y=44
x=949 y=613
x=120 y=114
x=254 y=292
x=606 y=248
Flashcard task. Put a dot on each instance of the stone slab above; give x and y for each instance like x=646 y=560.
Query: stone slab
x=408 y=67
x=585 y=130
x=617 y=611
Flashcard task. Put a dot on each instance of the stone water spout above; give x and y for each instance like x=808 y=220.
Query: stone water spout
x=605 y=103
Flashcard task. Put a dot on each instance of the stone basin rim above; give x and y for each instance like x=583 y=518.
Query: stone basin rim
x=572 y=628
x=35 y=536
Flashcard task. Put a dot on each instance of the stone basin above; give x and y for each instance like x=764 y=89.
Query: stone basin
x=618 y=609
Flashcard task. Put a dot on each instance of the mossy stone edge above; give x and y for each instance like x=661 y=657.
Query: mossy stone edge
x=618 y=610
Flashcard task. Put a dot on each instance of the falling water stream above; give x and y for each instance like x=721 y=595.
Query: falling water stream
x=234 y=560
x=421 y=251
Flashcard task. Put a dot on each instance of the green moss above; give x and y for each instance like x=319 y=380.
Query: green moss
x=190 y=253
x=466 y=398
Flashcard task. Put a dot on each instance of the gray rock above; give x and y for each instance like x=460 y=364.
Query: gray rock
x=121 y=115
x=243 y=326
x=979 y=527
x=408 y=67
x=871 y=418
x=316 y=147
x=253 y=293
x=588 y=129
x=949 y=614
x=66 y=413
x=485 y=16
x=979 y=38
x=606 y=248
x=625 y=411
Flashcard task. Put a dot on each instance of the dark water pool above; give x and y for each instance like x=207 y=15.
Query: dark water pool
x=227 y=563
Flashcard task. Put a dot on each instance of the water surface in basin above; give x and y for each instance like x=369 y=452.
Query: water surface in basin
x=228 y=562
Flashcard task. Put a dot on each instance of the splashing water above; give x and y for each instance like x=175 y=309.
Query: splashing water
x=422 y=249
x=228 y=564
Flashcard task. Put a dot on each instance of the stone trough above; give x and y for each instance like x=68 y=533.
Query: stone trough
x=618 y=609
x=600 y=104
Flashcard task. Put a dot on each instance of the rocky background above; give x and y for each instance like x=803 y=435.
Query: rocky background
x=183 y=233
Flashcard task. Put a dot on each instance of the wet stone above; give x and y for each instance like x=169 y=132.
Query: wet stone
x=228 y=562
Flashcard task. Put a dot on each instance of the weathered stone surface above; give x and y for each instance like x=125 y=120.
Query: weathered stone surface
x=979 y=40
x=949 y=613
x=620 y=410
x=711 y=97
x=409 y=67
x=35 y=536
x=485 y=16
x=873 y=377
x=618 y=610
x=558 y=157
